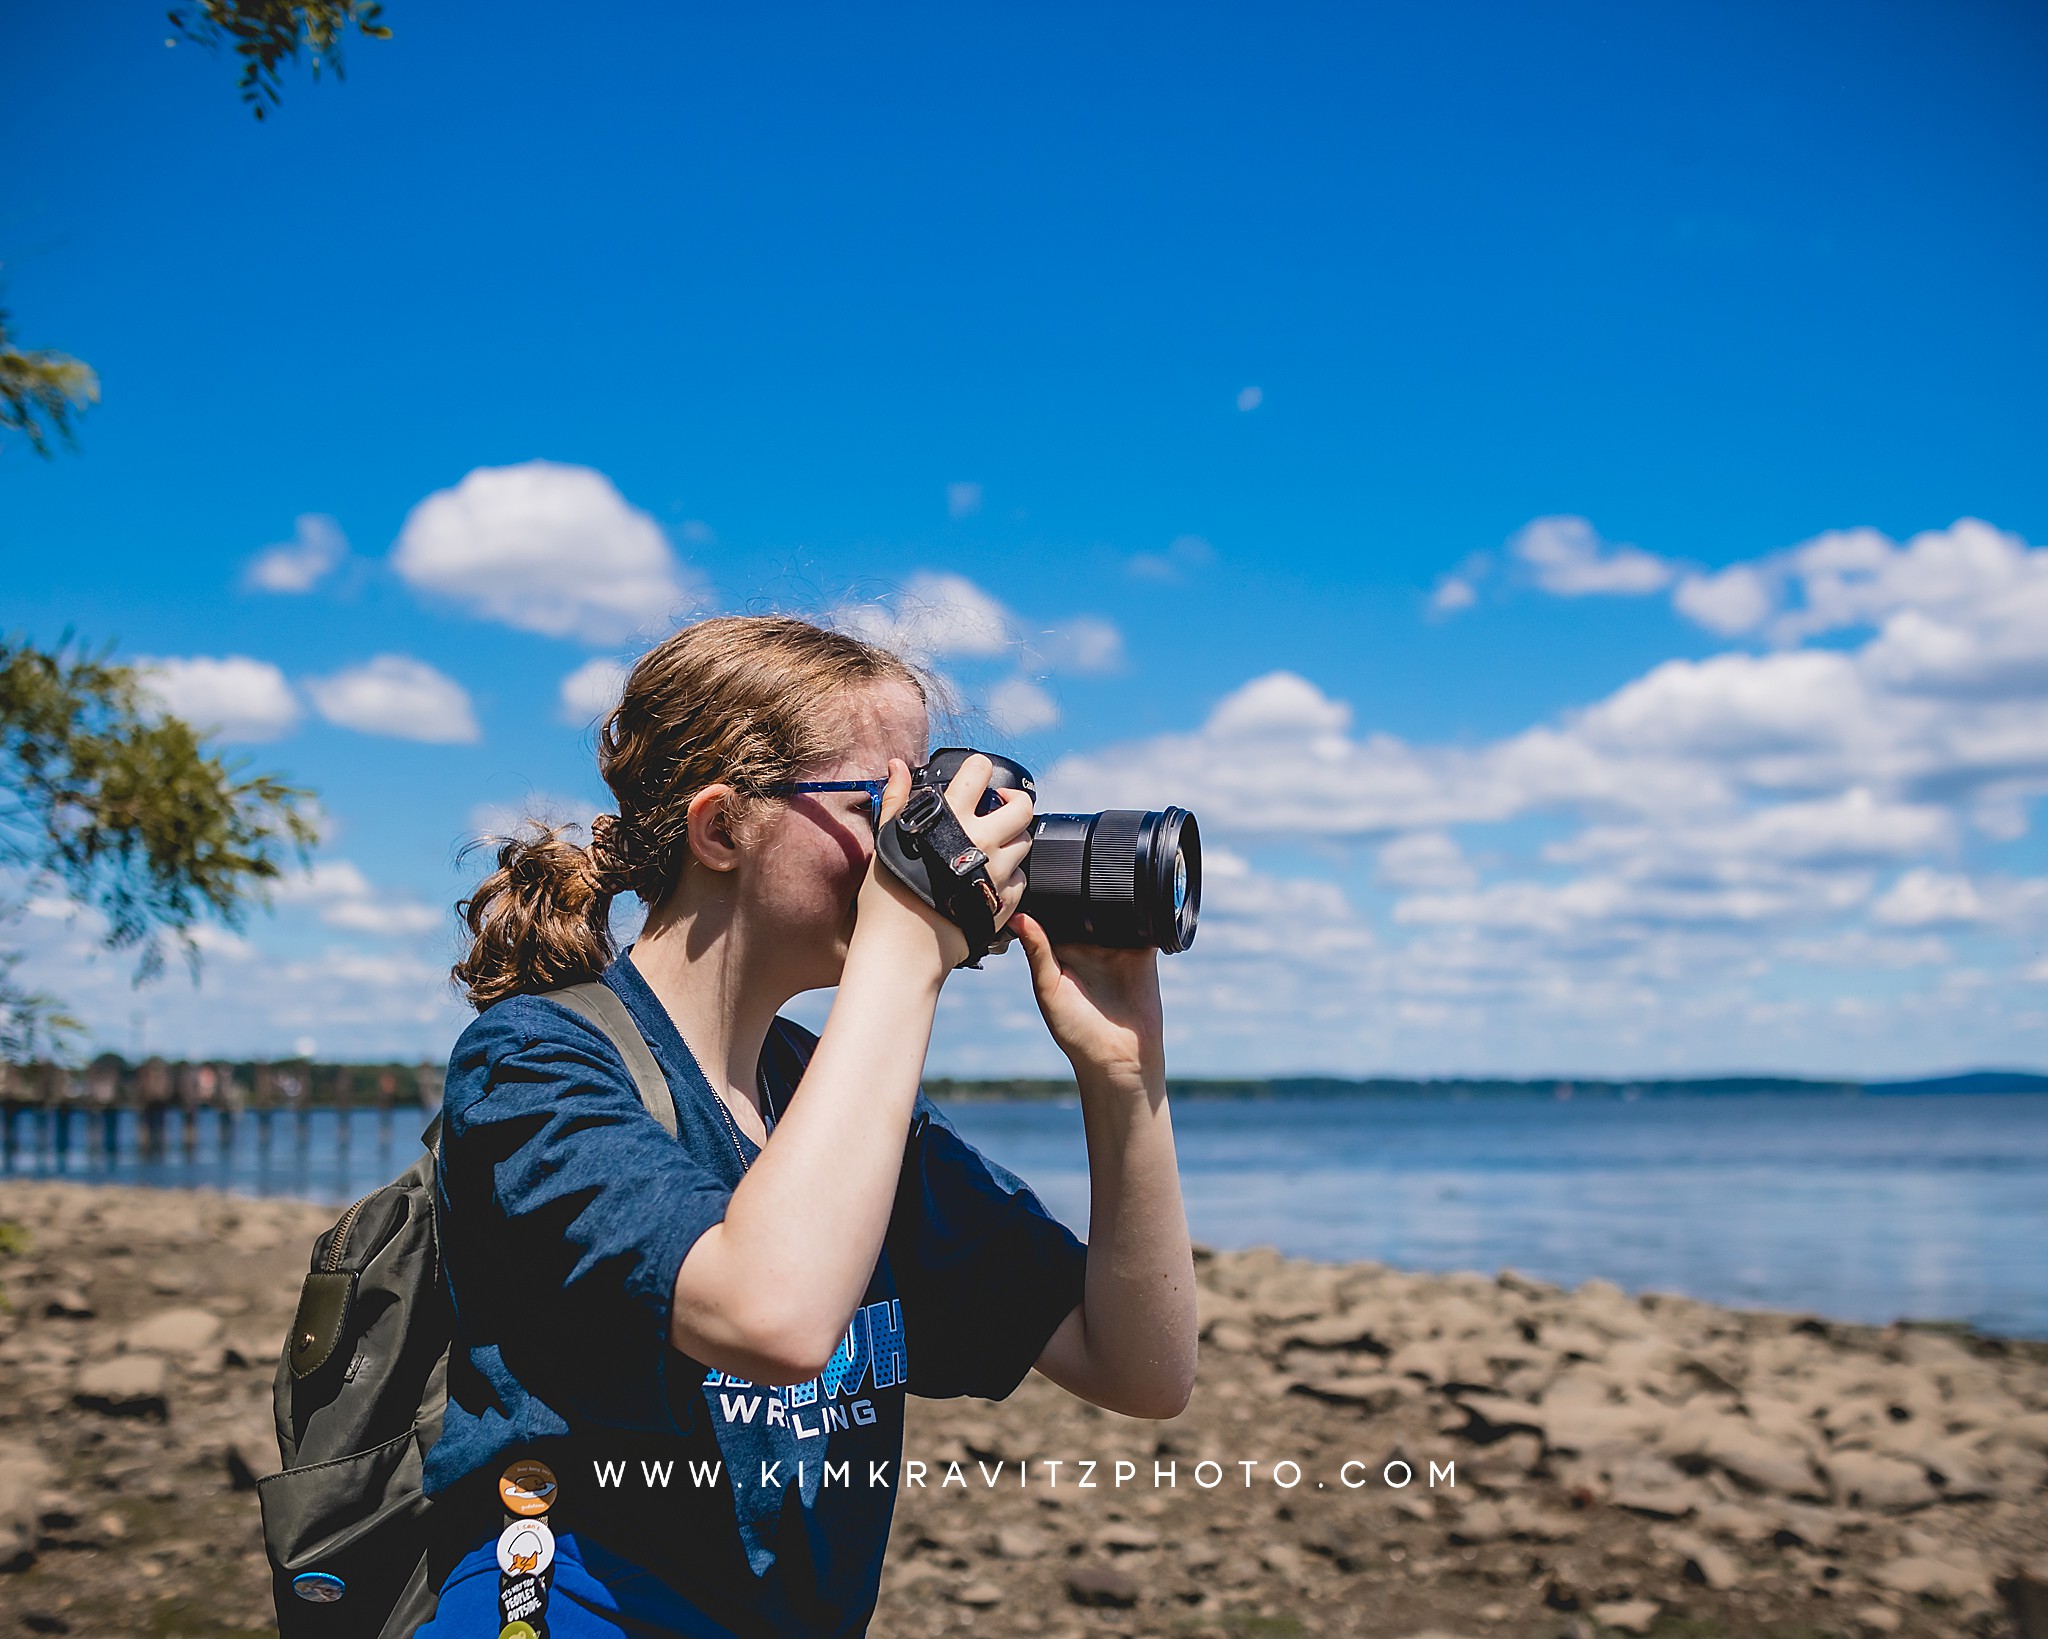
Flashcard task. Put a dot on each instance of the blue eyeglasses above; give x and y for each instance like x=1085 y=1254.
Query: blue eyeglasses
x=794 y=788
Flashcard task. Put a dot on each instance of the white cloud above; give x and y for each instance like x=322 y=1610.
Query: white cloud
x=1670 y=865
x=962 y=500
x=397 y=695
x=1018 y=706
x=1734 y=600
x=1926 y=898
x=1250 y=398
x=1452 y=593
x=343 y=897
x=1085 y=644
x=1570 y=560
x=231 y=696
x=936 y=616
x=592 y=689
x=547 y=548
x=300 y=564
x=1425 y=859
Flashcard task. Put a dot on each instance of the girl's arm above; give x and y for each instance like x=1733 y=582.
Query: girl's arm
x=1130 y=1346
x=767 y=1293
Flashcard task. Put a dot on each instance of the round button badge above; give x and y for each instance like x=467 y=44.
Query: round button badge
x=518 y=1630
x=319 y=1587
x=526 y=1547
x=527 y=1488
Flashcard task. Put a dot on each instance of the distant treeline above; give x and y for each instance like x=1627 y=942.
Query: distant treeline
x=113 y=1082
x=1981 y=1081
x=303 y=1083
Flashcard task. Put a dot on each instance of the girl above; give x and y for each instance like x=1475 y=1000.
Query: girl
x=675 y=1396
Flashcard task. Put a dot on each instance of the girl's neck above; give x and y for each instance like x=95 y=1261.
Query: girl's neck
x=695 y=962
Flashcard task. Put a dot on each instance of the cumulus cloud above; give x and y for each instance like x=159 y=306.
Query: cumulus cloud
x=1927 y=898
x=396 y=695
x=939 y=616
x=343 y=897
x=231 y=697
x=1085 y=645
x=547 y=548
x=592 y=689
x=1666 y=862
x=1017 y=705
x=936 y=616
x=1571 y=561
x=298 y=565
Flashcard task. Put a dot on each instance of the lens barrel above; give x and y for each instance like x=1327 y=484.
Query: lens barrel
x=1120 y=878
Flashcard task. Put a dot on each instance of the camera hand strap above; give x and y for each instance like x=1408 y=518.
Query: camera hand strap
x=929 y=851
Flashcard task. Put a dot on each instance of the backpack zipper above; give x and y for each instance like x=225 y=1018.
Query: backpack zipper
x=341 y=1230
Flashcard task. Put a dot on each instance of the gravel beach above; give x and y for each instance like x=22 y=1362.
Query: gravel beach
x=1368 y=1452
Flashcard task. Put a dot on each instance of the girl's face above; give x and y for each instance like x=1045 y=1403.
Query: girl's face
x=811 y=851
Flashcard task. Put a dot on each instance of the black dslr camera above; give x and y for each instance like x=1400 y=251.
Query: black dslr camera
x=1120 y=878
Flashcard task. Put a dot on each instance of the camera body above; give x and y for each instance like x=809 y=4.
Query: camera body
x=1122 y=878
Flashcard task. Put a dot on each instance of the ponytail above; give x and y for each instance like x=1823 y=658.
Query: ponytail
x=536 y=923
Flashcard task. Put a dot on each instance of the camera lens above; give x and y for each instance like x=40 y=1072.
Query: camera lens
x=1120 y=878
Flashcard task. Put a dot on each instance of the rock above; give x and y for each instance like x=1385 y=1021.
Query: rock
x=1878 y=1619
x=1738 y=1448
x=1868 y=1479
x=2025 y=1593
x=24 y=1472
x=129 y=1385
x=1481 y=1523
x=1704 y=1562
x=1370 y=1391
x=1021 y=1542
x=980 y=1595
x=1102 y=1585
x=1956 y=1575
x=1347 y=1329
x=1283 y=1559
x=175 y=1331
x=1649 y=1486
x=1233 y=1336
x=1122 y=1537
x=68 y=1303
x=1504 y=1463
x=1627 y=1615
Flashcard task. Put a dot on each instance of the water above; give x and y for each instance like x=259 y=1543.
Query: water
x=1859 y=1208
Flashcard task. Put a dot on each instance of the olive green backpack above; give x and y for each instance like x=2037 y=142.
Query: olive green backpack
x=361 y=1389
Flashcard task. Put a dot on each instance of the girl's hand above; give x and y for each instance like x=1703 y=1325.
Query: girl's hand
x=1004 y=835
x=1101 y=1005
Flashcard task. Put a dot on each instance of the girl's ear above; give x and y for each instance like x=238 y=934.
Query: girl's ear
x=711 y=830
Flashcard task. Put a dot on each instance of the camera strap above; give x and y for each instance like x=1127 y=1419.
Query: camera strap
x=929 y=851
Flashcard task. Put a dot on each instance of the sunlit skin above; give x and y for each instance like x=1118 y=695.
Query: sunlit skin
x=782 y=896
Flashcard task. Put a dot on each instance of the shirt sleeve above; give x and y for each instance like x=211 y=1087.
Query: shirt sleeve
x=571 y=1211
x=986 y=1271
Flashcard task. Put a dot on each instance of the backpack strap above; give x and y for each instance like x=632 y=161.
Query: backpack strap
x=596 y=1002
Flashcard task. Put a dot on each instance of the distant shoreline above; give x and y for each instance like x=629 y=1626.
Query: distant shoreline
x=1468 y=1087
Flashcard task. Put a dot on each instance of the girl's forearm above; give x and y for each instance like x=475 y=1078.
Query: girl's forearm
x=772 y=1287
x=1139 y=1310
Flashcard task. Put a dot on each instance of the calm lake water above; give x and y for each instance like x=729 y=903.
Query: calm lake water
x=1862 y=1208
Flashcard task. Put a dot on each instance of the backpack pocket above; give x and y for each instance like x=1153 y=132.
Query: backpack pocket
x=347 y=1542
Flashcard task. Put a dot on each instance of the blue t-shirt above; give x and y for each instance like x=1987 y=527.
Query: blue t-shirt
x=566 y=1213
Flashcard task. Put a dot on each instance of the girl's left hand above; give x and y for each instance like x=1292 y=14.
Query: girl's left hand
x=1101 y=1005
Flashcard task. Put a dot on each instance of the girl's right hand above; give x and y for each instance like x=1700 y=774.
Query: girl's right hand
x=1004 y=835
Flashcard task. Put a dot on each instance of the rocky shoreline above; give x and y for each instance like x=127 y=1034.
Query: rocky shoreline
x=1368 y=1453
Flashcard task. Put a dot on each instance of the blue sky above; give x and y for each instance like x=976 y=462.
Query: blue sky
x=1202 y=387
